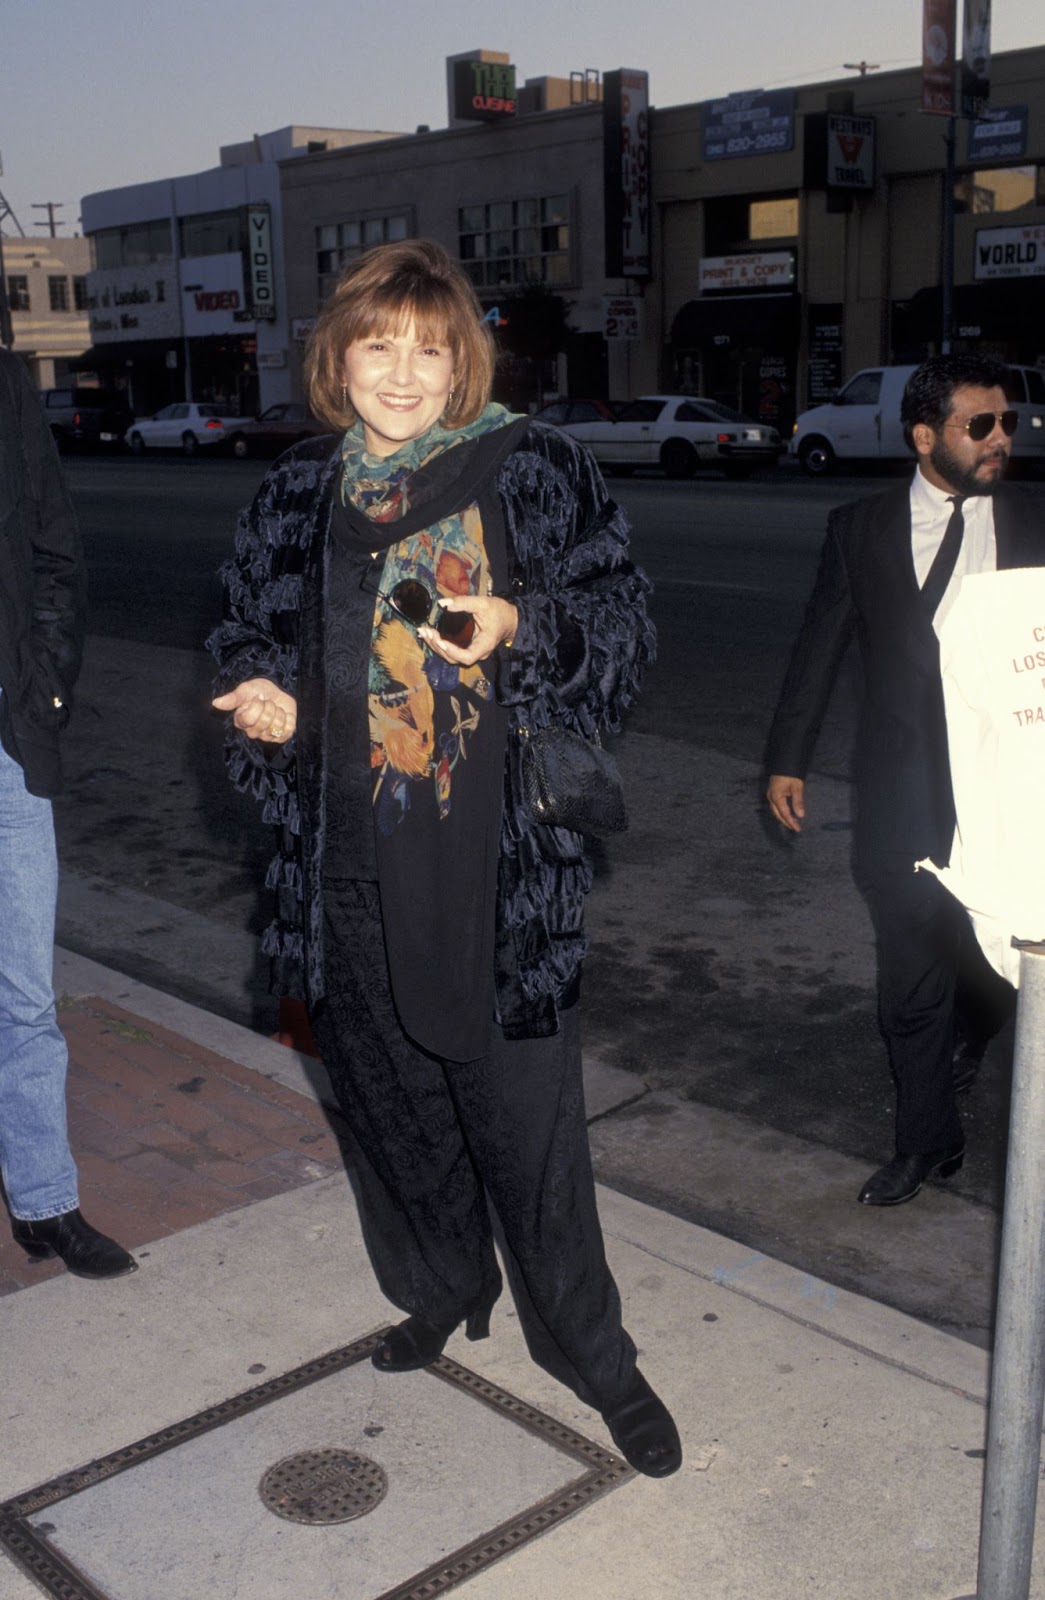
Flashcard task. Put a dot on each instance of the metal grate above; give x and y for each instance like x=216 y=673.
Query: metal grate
x=58 y=1577
x=321 y=1487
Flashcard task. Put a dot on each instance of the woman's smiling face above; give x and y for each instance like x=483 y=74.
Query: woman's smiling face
x=398 y=385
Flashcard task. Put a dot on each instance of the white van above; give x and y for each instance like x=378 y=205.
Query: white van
x=862 y=422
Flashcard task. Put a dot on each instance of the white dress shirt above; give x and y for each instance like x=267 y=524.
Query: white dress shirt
x=931 y=510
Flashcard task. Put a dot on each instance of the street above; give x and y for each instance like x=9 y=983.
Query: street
x=731 y=970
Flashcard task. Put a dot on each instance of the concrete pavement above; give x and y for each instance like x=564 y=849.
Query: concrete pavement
x=834 y=1446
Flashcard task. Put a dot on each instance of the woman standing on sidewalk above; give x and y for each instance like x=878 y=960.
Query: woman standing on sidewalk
x=406 y=603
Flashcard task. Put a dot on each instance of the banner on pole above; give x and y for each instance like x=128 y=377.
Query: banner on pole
x=938 y=30
x=976 y=57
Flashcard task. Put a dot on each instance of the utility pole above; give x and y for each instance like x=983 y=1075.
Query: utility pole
x=50 y=206
x=7 y=337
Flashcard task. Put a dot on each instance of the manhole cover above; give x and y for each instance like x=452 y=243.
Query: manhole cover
x=323 y=1486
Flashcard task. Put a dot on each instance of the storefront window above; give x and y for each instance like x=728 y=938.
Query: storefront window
x=509 y=242
x=136 y=246
x=774 y=219
x=990 y=190
x=214 y=233
x=338 y=243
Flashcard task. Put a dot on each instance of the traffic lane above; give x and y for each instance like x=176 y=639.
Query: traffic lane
x=732 y=567
x=155 y=532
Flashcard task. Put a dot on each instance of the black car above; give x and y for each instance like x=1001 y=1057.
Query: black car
x=87 y=418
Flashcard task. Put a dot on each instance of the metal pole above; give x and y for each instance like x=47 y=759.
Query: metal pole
x=1018 y=1372
x=947 y=262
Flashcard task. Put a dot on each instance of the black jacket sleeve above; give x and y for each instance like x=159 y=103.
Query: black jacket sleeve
x=43 y=587
x=822 y=641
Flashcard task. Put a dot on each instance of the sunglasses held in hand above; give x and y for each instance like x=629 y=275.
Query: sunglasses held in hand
x=414 y=602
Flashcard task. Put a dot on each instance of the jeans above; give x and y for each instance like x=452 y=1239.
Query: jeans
x=36 y=1164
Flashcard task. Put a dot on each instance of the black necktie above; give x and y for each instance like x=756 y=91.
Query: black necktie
x=945 y=559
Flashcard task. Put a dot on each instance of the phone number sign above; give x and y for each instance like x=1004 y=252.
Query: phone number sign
x=757 y=123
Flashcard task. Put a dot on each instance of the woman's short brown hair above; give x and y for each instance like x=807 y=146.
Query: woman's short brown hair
x=388 y=287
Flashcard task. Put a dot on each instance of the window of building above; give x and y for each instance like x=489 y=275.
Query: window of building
x=135 y=246
x=774 y=219
x=735 y=222
x=338 y=243
x=213 y=233
x=988 y=190
x=18 y=293
x=80 y=294
x=507 y=242
x=58 y=289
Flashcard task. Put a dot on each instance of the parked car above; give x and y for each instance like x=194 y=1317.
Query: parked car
x=185 y=426
x=679 y=432
x=275 y=430
x=862 y=422
x=85 y=417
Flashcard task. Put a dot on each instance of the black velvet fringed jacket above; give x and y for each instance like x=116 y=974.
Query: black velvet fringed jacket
x=582 y=640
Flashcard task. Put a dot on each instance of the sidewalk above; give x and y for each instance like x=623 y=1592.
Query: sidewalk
x=833 y=1446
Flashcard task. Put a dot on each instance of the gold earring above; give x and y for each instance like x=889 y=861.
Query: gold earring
x=344 y=397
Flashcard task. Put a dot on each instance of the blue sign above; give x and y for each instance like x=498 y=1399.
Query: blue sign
x=1000 y=133
x=756 y=123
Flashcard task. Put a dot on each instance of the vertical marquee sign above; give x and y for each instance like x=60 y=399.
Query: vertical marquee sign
x=261 y=272
x=626 y=173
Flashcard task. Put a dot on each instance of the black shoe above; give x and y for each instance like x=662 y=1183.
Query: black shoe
x=85 y=1251
x=644 y=1432
x=965 y=1062
x=416 y=1343
x=902 y=1178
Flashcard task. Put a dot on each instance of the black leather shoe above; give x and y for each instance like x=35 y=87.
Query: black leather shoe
x=644 y=1432
x=902 y=1178
x=85 y=1251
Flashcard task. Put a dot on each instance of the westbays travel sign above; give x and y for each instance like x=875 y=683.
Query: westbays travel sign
x=1009 y=253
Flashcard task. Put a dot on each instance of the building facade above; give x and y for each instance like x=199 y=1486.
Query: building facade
x=518 y=197
x=186 y=300
x=46 y=281
x=758 y=249
x=799 y=235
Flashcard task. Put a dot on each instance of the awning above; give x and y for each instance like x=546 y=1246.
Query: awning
x=745 y=319
x=124 y=352
x=1003 y=311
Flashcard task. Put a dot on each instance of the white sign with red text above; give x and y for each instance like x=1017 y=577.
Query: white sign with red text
x=212 y=297
x=992 y=657
x=766 y=269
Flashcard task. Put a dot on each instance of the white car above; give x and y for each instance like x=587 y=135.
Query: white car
x=679 y=432
x=185 y=426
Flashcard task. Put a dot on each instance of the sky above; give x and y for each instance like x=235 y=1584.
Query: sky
x=101 y=93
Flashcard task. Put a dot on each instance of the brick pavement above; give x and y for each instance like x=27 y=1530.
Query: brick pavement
x=167 y=1134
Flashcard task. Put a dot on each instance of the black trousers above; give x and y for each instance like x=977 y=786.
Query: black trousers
x=435 y=1145
x=933 y=981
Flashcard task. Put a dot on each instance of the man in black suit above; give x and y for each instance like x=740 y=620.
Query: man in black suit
x=889 y=571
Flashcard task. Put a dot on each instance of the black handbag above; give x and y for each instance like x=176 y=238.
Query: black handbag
x=571 y=782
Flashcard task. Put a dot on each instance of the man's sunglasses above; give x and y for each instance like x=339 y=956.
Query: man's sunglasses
x=414 y=602
x=981 y=426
